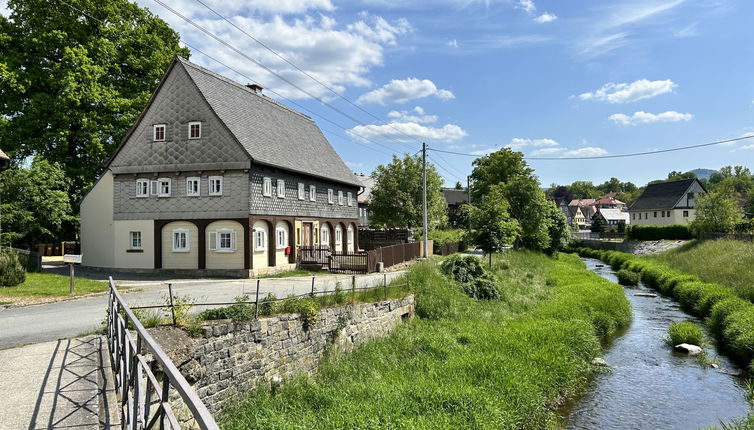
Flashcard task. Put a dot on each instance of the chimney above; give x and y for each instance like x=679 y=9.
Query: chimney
x=254 y=87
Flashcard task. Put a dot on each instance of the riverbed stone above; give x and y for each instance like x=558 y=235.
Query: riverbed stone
x=599 y=361
x=688 y=348
x=645 y=295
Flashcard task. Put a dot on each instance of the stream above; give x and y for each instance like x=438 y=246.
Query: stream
x=650 y=386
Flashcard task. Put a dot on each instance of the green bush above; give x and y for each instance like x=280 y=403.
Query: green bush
x=474 y=279
x=237 y=312
x=267 y=305
x=739 y=334
x=12 y=272
x=722 y=310
x=659 y=232
x=685 y=332
x=628 y=277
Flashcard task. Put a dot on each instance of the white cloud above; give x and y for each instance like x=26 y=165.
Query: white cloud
x=452 y=43
x=627 y=93
x=648 y=118
x=519 y=142
x=589 y=151
x=546 y=17
x=402 y=91
x=546 y=151
x=340 y=55
x=354 y=164
x=407 y=131
x=746 y=147
x=415 y=115
x=527 y=6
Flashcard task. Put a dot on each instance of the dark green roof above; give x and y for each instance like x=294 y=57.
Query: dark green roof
x=662 y=195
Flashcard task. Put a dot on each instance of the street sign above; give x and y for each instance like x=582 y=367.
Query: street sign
x=72 y=259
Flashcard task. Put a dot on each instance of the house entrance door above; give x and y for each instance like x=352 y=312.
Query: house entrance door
x=307 y=240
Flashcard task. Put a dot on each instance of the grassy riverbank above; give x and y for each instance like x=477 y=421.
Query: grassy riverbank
x=726 y=262
x=730 y=317
x=461 y=363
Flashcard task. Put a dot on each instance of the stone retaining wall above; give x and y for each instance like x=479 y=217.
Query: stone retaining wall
x=230 y=359
x=644 y=247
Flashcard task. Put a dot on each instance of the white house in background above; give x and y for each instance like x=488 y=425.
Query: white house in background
x=613 y=217
x=667 y=203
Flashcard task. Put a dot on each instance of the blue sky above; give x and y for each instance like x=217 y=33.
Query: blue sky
x=549 y=78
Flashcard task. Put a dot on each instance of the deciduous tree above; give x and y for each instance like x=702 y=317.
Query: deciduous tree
x=716 y=211
x=491 y=225
x=499 y=167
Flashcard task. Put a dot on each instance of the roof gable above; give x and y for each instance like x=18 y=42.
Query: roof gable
x=664 y=195
x=270 y=132
x=454 y=196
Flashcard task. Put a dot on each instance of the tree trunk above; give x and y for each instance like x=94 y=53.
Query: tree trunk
x=490 y=260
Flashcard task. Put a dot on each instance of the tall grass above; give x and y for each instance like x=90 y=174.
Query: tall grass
x=462 y=363
x=726 y=262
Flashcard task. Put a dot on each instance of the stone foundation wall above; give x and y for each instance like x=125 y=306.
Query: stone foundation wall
x=230 y=359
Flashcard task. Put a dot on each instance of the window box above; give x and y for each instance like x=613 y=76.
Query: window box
x=193 y=187
x=158 y=132
x=215 y=185
x=194 y=130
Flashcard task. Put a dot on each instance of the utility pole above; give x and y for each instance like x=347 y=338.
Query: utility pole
x=424 y=197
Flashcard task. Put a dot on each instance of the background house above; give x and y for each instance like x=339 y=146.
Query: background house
x=609 y=201
x=613 y=217
x=216 y=176
x=454 y=198
x=667 y=203
x=367 y=182
x=4 y=160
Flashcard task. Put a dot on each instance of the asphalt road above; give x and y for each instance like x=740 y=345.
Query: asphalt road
x=42 y=323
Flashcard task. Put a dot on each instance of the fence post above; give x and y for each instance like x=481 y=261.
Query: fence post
x=384 y=278
x=312 y=293
x=172 y=308
x=353 y=288
x=256 y=301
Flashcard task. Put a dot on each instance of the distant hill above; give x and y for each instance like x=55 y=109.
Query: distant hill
x=703 y=173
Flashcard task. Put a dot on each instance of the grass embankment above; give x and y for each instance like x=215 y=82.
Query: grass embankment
x=726 y=262
x=730 y=317
x=50 y=285
x=463 y=363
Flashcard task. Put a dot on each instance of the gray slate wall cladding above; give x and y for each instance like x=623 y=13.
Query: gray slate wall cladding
x=291 y=205
x=233 y=358
x=232 y=204
x=177 y=103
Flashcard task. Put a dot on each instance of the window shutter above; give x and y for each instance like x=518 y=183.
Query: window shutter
x=233 y=240
x=212 y=240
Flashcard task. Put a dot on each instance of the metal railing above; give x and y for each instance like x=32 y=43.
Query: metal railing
x=143 y=398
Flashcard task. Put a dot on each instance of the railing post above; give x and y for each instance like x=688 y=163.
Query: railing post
x=172 y=308
x=312 y=293
x=384 y=281
x=256 y=301
x=164 y=398
x=353 y=288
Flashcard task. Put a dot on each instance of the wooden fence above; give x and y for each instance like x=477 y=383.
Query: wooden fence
x=373 y=239
x=448 y=248
x=360 y=261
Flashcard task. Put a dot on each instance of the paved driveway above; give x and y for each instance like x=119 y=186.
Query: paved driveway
x=41 y=323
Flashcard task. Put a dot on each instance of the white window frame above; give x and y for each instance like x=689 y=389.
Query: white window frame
x=160 y=183
x=142 y=188
x=190 y=192
x=312 y=193
x=185 y=232
x=164 y=128
x=153 y=187
x=340 y=197
x=349 y=235
x=267 y=186
x=280 y=187
x=215 y=240
x=216 y=192
x=324 y=233
x=301 y=191
x=134 y=235
x=260 y=242
x=193 y=123
x=281 y=238
x=338 y=236
x=330 y=196
x=349 y=198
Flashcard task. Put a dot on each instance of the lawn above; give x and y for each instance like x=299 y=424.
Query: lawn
x=726 y=262
x=49 y=285
x=461 y=363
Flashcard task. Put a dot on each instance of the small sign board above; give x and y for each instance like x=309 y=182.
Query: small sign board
x=72 y=259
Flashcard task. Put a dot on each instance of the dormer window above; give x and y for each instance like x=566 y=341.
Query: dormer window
x=159 y=133
x=195 y=130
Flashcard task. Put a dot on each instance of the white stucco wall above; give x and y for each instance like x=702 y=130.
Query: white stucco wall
x=223 y=259
x=261 y=258
x=122 y=244
x=97 y=224
x=280 y=257
x=648 y=217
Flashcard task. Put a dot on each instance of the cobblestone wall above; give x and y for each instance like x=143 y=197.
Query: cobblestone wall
x=233 y=358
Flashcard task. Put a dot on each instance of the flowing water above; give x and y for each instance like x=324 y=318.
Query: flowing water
x=650 y=386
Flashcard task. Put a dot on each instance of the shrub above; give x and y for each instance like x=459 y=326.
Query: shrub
x=475 y=281
x=685 y=332
x=12 y=272
x=237 y=312
x=721 y=310
x=739 y=333
x=340 y=297
x=659 y=232
x=181 y=307
x=147 y=317
x=483 y=288
x=628 y=277
x=267 y=306
x=306 y=307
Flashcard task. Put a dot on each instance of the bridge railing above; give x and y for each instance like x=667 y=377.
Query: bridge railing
x=143 y=397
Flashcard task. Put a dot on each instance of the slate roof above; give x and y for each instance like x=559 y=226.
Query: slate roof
x=272 y=134
x=614 y=215
x=662 y=195
x=454 y=197
x=3 y=156
x=368 y=183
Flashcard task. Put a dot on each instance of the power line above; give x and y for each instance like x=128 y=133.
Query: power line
x=595 y=157
x=327 y=87
x=437 y=163
x=193 y=48
x=259 y=64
